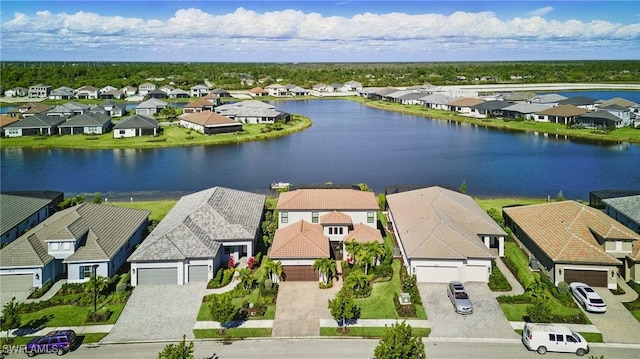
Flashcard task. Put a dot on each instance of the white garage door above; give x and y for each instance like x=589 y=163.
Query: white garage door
x=436 y=274
x=148 y=276
x=198 y=274
x=16 y=282
x=476 y=274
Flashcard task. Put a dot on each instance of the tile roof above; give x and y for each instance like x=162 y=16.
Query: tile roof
x=37 y=121
x=300 y=240
x=7 y=120
x=566 y=231
x=577 y=101
x=208 y=119
x=619 y=101
x=493 y=105
x=151 y=103
x=527 y=107
x=362 y=233
x=439 y=223
x=336 y=218
x=105 y=228
x=629 y=206
x=437 y=98
x=563 y=111
x=15 y=209
x=137 y=121
x=466 y=102
x=199 y=222
x=547 y=98
x=601 y=115
x=258 y=90
x=327 y=199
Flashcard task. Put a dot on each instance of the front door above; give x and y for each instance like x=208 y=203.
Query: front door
x=336 y=250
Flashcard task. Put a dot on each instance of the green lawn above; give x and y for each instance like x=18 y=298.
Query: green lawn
x=521 y=261
x=65 y=316
x=172 y=136
x=498 y=203
x=589 y=337
x=233 y=333
x=379 y=305
x=205 y=315
x=516 y=312
x=368 y=332
x=158 y=209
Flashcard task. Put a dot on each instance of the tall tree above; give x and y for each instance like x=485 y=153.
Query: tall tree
x=343 y=309
x=274 y=269
x=326 y=267
x=177 y=351
x=10 y=318
x=398 y=342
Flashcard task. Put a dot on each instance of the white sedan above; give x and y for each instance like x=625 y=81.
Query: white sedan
x=588 y=298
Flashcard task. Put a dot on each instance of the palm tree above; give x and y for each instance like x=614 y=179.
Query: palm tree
x=357 y=280
x=352 y=247
x=274 y=269
x=244 y=274
x=326 y=267
x=376 y=249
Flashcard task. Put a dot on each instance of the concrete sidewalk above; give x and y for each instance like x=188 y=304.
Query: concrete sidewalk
x=415 y=323
x=581 y=328
x=80 y=330
x=516 y=287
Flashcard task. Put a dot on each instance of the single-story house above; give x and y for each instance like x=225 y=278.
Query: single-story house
x=444 y=235
x=75 y=243
x=572 y=242
x=220 y=93
x=136 y=125
x=6 y=120
x=156 y=94
x=87 y=123
x=68 y=109
x=598 y=119
x=315 y=223
x=199 y=90
x=436 y=101
x=20 y=213
x=151 y=106
x=547 y=99
x=110 y=108
x=129 y=91
x=17 y=92
x=38 y=124
x=112 y=95
x=258 y=92
x=294 y=90
x=200 y=233
x=492 y=108
x=625 y=209
x=252 y=111
x=209 y=123
x=62 y=93
x=167 y=89
x=562 y=114
x=584 y=102
x=201 y=104
x=353 y=85
x=463 y=105
x=29 y=109
x=524 y=110
x=178 y=93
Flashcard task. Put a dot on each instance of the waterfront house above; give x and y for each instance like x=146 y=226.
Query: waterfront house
x=276 y=90
x=209 y=123
x=444 y=235
x=562 y=114
x=159 y=94
x=167 y=89
x=136 y=125
x=68 y=109
x=523 y=110
x=572 y=242
x=129 y=91
x=598 y=119
x=37 y=124
x=200 y=233
x=19 y=213
x=258 y=92
x=62 y=93
x=623 y=113
x=75 y=243
x=199 y=105
x=437 y=101
x=492 y=108
x=6 y=120
x=252 y=111
x=150 y=106
x=353 y=86
x=144 y=89
x=112 y=95
x=315 y=223
x=584 y=102
x=294 y=90
x=547 y=99
x=89 y=123
x=463 y=105
x=17 y=92
x=178 y=93
x=110 y=108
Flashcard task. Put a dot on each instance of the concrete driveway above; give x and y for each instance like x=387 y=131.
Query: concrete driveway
x=487 y=320
x=5 y=297
x=158 y=312
x=617 y=325
x=300 y=307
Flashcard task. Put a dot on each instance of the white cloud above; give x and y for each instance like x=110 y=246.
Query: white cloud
x=541 y=11
x=195 y=33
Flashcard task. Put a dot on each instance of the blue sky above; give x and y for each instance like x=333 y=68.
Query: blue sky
x=318 y=31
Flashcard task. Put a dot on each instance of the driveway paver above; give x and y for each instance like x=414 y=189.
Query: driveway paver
x=617 y=325
x=487 y=320
x=158 y=312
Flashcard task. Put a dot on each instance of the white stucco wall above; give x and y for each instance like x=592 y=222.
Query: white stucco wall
x=123 y=133
x=356 y=217
x=73 y=272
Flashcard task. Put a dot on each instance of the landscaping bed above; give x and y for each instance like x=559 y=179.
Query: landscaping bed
x=368 y=332
x=634 y=307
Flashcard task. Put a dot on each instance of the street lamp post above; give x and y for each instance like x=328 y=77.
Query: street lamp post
x=95 y=288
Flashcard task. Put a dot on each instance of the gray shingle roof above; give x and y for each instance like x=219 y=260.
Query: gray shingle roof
x=629 y=206
x=136 y=121
x=152 y=103
x=105 y=228
x=527 y=107
x=199 y=222
x=15 y=209
x=87 y=119
x=39 y=120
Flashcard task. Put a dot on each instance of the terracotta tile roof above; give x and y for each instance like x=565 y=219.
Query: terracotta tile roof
x=258 y=90
x=199 y=103
x=566 y=231
x=300 y=240
x=207 y=118
x=327 y=199
x=363 y=233
x=7 y=120
x=466 y=102
x=336 y=218
x=439 y=223
x=211 y=96
x=563 y=110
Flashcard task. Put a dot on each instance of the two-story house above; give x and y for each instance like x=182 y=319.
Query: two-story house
x=315 y=223
x=198 y=91
x=76 y=243
x=39 y=91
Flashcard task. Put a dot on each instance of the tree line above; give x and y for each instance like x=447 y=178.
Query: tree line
x=234 y=76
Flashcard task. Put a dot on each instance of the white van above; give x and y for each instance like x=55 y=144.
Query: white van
x=553 y=338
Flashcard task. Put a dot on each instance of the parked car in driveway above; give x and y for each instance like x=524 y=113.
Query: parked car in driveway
x=459 y=298
x=588 y=298
x=545 y=338
x=59 y=342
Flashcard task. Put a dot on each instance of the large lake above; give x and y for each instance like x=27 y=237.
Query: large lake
x=347 y=143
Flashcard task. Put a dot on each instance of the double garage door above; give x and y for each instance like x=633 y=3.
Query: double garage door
x=16 y=282
x=593 y=278
x=299 y=273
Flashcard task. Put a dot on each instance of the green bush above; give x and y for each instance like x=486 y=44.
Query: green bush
x=563 y=289
x=383 y=273
x=38 y=293
x=404 y=311
x=497 y=281
x=539 y=311
x=514 y=299
x=223 y=277
x=100 y=316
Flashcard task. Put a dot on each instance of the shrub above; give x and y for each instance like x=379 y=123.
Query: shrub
x=258 y=259
x=41 y=291
x=223 y=277
x=539 y=311
x=251 y=262
x=404 y=311
x=497 y=281
x=102 y=315
x=383 y=272
x=563 y=289
x=325 y=286
x=514 y=299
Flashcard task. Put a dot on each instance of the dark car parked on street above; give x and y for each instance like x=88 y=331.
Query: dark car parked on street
x=59 y=342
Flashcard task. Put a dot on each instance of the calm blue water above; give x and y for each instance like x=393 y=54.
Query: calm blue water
x=348 y=143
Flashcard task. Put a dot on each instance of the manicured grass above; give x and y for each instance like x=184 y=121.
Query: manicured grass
x=233 y=333
x=65 y=316
x=499 y=203
x=589 y=337
x=172 y=136
x=517 y=312
x=158 y=209
x=368 y=332
x=379 y=305
x=521 y=261
x=204 y=313
x=626 y=134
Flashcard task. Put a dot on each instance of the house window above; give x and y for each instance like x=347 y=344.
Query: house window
x=86 y=272
x=227 y=249
x=314 y=217
x=66 y=245
x=122 y=132
x=54 y=246
x=284 y=217
x=370 y=217
x=341 y=229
